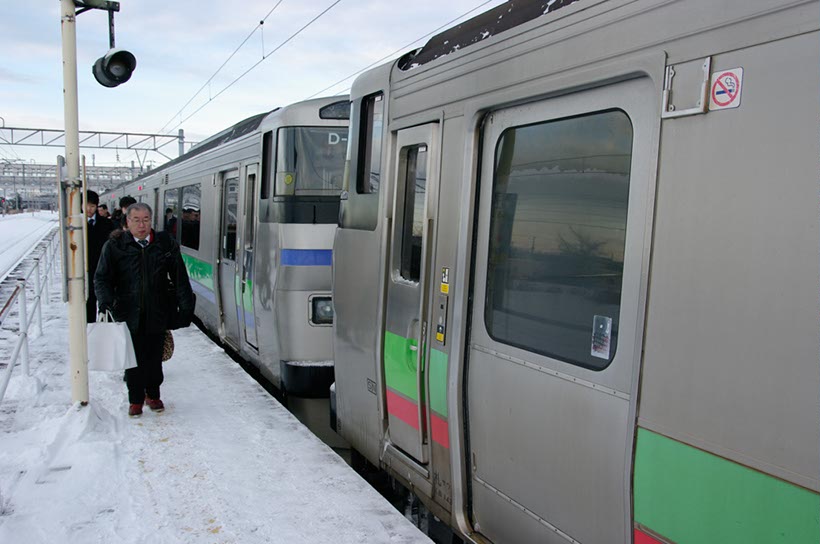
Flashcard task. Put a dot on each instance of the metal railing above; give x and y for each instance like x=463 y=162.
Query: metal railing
x=44 y=262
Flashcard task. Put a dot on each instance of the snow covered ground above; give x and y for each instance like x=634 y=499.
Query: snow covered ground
x=19 y=233
x=225 y=462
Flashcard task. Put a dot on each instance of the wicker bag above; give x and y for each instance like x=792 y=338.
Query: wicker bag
x=168 y=346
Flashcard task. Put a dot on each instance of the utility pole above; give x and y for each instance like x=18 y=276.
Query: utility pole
x=74 y=250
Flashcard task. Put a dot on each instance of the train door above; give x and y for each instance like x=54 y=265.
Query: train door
x=248 y=234
x=557 y=315
x=227 y=258
x=406 y=323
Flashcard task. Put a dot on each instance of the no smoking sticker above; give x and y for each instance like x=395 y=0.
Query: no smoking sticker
x=726 y=87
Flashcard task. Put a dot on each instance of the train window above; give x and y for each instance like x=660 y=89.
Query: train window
x=250 y=187
x=171 y=201
x=191 y=199
x=337 y=110
x=267 y=158
x=310 y=160
x=370 y=147
x=229 y=218
x=557 y=237
x=415 y=187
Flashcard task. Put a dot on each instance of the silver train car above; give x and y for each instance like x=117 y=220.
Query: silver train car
x=254 y=209
x=589 y=312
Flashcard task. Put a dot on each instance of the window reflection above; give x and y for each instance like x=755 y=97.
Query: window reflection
x=557 y=236
x=369 y=172
x=413 y=221
x=171 y=212
x=191 y=198
x=229 y=219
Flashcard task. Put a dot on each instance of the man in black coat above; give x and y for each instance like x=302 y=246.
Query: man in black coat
x=142 y=279
x=118 y=217
x=97 y=232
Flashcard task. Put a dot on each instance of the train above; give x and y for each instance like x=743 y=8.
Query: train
x=556 y=269
x=589 y=312
x=254 y=209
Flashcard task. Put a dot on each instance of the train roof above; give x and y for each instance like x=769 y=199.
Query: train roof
x=495 y=21
x=231 y=133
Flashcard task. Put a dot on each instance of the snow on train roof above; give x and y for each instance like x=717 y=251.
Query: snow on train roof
x=495 y=21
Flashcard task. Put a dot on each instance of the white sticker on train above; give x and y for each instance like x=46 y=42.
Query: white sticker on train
x=726 y=87
x=601 y=336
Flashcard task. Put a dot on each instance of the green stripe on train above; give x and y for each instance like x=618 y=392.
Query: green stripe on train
x=690 y=496
x=400 y=365
x=400 y=371
x=199 y=271
x=438 y=382
x=244 y=299
x=247 y=296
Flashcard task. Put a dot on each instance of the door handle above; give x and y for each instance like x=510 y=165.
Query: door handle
x=420 y=384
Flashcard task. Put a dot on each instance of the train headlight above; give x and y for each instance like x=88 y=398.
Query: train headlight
x=321 y=310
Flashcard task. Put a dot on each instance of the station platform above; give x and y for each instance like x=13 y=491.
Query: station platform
x=224 y=463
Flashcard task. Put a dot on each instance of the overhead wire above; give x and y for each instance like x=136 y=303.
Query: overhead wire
x=11 y=149
x=399 y=50
x=235 y=51
x=260 y=61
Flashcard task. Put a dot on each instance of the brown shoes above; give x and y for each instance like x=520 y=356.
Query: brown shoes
x=154 y=404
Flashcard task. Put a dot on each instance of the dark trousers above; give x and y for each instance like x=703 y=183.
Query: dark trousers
x=91 y=307
x=145 y=379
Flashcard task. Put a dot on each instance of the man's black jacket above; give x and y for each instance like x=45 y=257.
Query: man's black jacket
x=144 y=287
x=98 y=233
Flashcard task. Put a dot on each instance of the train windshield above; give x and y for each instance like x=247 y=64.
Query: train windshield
x=310 y=160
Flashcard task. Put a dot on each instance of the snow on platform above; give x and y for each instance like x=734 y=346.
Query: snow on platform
x=19 y=233
x=225 y=462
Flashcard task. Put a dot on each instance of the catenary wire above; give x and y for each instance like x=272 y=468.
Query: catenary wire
x=260 y=61
x=235 y=51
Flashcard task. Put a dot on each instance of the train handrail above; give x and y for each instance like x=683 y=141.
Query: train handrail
x=19 y=295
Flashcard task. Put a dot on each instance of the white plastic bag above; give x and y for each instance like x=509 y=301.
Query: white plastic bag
x=109 y=346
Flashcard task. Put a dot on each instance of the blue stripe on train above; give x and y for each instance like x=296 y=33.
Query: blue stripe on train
x=307 y=257
x=203 y=291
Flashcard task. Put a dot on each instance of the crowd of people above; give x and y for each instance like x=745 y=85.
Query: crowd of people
x=139 y=278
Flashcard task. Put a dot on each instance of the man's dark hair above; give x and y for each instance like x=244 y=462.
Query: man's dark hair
x=103 y=206
x=93 y=198
x=169 y=210
x=126 y=201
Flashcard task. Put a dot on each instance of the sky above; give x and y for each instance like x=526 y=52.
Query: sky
x=179 y=45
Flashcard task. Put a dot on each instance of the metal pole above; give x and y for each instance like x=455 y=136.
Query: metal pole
x=181 y=142
x=49 y=267
x=23 y=315
x=74 y=249
x=38 y=299
x=111 y=40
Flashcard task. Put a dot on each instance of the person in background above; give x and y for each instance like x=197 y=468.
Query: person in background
x=142 y=279
x=170 y=222
x=97 y=232
x=119 y=218
x=102 y=210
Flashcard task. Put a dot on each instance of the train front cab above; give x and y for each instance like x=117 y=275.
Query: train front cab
x=255 y=214
x=303 y=150
x=517 y=231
